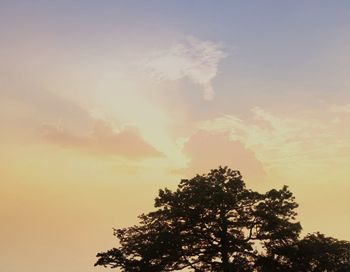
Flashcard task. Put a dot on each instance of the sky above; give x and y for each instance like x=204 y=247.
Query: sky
x=103 y=103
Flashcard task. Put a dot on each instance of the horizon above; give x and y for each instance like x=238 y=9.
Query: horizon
x=103 y=104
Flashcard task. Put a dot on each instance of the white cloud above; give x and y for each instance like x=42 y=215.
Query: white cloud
x=194 y=59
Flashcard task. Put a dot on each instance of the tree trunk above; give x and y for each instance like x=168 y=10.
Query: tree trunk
x=224 y=243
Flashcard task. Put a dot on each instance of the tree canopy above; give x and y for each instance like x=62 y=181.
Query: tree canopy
x=212 y=222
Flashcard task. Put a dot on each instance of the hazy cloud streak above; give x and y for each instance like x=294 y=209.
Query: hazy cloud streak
x=103 y=140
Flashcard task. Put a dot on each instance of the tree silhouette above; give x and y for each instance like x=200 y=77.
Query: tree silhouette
x=314 y=253
x=213 y=222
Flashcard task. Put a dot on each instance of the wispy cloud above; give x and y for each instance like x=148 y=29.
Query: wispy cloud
x=194 y=59
x=289 y=145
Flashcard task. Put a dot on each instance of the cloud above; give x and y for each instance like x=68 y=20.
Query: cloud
x=102 y=140
x=41 y=114
x=290 y=146
x=207 y=150
x=340 y=108
x=193 y=59
x=33 y=106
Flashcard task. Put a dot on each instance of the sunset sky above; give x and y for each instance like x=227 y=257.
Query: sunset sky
x=102 y=103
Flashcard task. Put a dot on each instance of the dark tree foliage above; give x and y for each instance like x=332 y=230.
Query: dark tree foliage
x=314 y=253
x=319 y=253
x=213 y=222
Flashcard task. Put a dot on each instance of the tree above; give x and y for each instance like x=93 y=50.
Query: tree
x=314 y=253
x=211 y=222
